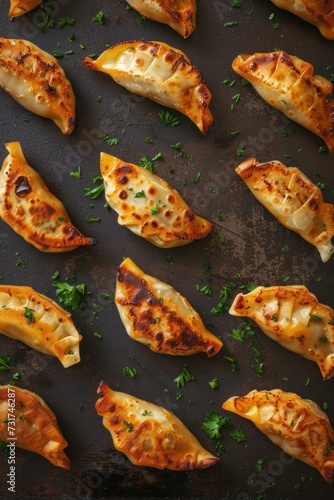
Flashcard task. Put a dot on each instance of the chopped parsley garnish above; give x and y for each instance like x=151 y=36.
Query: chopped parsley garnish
x=241 y=149
x=4 y=362
x=288 y=131
x=155 y=209
x=93 y=193
x=29 y=315
x=45 y=11
x=129 y=371
x=76 y=173
x=213 y=383
x=238 y=436
x=233 y=362
x=206 y=289
x=258 y=368
x=168 y=119
x=128 y=426
x=99 y=18
x=20 y=262
x=63 y=21
x=141 y=20
x=197 y=178
x=224 y=303
x=185 y=376
x=111 y=141
x=211 y=425
x=92 y=219
x=140 y=194
x=70 y=295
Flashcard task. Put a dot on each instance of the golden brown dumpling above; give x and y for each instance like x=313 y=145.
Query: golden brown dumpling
x=19 y=7
x=27 y=205
x=36 y=80
x=287 y=83
x=317 y=12
x=148 y=206
x=293 y=317
x=26 y=416
x=161 y=73
x=39 y=322
x=178 y=14
x=148 y=434
x=156 y=315
x=293 y=199
x=297 y=425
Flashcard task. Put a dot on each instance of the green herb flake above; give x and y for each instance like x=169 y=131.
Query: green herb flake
x=238 y=436
x=185 y=376
x=94 y=193
x=70 y=295
x=77 y=173
x=213 y=383
x=132 y=372
x=99 y=18
x=155 y=209
x=197 y=178
x=4 y=362
x=140 y=194
x=128 y=426
x=28 y=313
x=168 y=119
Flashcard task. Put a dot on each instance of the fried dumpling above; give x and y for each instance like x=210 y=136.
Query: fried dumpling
x=293 y=199
x=19 y=7
x=26 y=416
x=161 y=73
x=178 y=14
x=36 y=80
x=148 y=206
x=317 y=12
x=156 y=315
x=287 y=83
x=27 y=205
x=39 y=322
x=297 y=425
x=293 y=317
x=148 y=434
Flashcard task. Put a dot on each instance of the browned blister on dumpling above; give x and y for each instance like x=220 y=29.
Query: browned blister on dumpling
x=293 y=199
x=27 y=205
x=287 y=83
x=178 y=14
x=25 y=416
x=36 y=80
x=293 y=317
x=159 y=72
x=19 y=7
x=317 y=12
x=148 y=434
x=148 y=206
x=39 y=322
x=158 y=316
x=297 y=425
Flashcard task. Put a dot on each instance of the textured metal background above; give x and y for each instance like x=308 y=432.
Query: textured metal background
x=252 y=249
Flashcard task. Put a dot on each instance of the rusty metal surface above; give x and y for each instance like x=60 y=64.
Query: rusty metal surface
x=252 y=253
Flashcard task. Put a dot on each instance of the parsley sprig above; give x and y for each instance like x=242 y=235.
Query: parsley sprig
x=168 y=119
x=4 y=362
x=185 y=376
x=70 y=295
x=212 y=424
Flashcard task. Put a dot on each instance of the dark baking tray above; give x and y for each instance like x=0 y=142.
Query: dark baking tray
x=252 y=253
